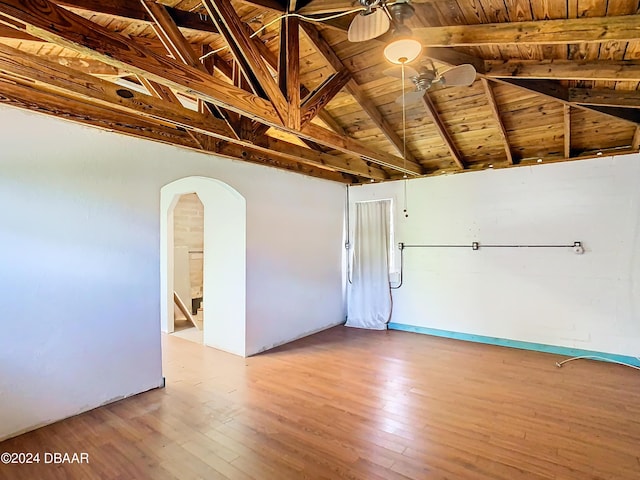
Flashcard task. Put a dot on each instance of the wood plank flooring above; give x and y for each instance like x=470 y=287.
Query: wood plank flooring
x=353 y=404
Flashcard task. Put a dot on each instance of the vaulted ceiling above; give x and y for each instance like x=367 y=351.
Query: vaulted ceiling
x=557 y=80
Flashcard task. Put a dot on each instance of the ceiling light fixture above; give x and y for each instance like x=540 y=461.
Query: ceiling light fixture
x=404 y=48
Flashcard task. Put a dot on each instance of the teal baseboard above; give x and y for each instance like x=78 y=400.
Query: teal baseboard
x=503 y=342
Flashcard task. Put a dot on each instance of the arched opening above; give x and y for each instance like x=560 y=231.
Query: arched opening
x=224 y=260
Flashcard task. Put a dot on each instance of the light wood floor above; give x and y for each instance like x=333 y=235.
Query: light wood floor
x=352 y=404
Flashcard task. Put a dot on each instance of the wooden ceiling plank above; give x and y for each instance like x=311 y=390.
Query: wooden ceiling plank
x=540 y=32
x=245 y=52
x=567 y=131
x=331 y=122
x=46 y=20
x=442 y=130
x=316 y=100
x=356 y=91
x=491 y=99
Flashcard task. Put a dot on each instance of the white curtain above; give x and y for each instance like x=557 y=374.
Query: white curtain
x=369 y=295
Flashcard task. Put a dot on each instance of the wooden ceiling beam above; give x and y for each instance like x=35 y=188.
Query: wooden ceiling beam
x=608 y=97
x=567 y=130
x=63 y=81
x=356 y=91
x=135 y=11
x=491 y=99
x=87 y=65
x=599 y=70
x=536 y=32
x=442 y=130
x=289 y=68
x=635 y=141
x=273 y=61
x=316 y=100
x=246 y=53
x=352 y=166
x=62 y=27
x=151 y=43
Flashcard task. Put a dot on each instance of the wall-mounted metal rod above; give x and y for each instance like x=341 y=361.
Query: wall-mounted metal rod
x=405 y=245
x=577 y=246
x=526 y=246
x=196 y=251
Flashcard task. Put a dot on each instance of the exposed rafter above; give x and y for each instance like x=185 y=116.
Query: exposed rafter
x=442 y=130
x=635 y=142
x=491 y=99
x=567 y=131
x=317 y=99
x=607 y=97
x=602 y=70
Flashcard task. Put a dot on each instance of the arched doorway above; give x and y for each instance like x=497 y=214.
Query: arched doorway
x=224 y=263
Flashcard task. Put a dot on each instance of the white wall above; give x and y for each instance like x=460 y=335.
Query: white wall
x=549 y=296
x=79 y=263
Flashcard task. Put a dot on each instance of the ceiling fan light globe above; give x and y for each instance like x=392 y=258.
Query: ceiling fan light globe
x=366 y=26
x=403 y=50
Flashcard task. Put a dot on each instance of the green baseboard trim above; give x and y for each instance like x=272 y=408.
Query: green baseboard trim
x=503 y=342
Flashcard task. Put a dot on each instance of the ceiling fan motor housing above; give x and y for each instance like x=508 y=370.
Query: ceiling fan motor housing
x=425 y=79
x=400 y=11
x=369 y=5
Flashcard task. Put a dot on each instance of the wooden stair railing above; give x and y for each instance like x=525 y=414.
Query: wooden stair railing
x=185 y=311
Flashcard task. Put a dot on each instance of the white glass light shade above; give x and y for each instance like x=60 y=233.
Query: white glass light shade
x=367 y=26
x=403 y=50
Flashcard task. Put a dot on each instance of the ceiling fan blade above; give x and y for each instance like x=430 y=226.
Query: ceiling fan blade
x=460 y=76
x=411 y=97
x=366 y=26
x=396 y=72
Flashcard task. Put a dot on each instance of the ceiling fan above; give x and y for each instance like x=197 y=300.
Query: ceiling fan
x=427 y=76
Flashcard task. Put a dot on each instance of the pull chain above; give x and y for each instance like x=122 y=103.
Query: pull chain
x=404 y=145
